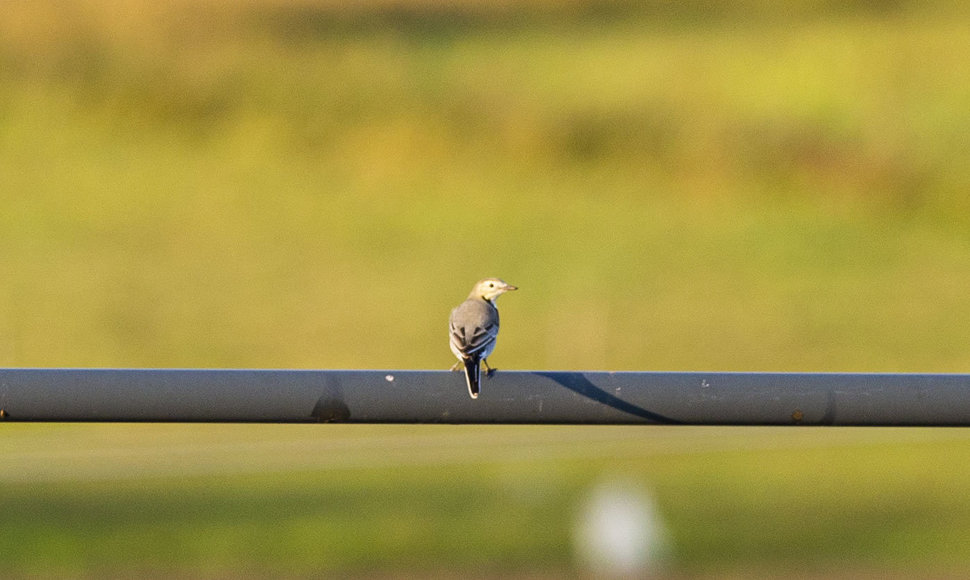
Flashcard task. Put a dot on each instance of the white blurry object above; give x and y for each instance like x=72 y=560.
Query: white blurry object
x=619 y=533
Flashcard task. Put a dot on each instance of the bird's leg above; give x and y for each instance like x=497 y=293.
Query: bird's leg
x=458 y=366
x=488 y=370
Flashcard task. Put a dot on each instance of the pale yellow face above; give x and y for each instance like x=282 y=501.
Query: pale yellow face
x=492 y=288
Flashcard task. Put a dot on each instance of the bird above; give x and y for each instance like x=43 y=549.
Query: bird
x=473 y=328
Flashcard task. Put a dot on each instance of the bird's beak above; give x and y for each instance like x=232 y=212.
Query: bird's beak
x=511 y=287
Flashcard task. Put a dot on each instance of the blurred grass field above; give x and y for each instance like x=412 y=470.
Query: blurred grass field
x=297 y=184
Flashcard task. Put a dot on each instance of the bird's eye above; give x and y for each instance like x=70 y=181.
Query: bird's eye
x=491 y=285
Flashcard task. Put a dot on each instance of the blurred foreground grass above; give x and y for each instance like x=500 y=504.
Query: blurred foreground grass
x=313 y=185
x=366 y=500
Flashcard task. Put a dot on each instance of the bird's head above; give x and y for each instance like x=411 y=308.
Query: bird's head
x=491 y=288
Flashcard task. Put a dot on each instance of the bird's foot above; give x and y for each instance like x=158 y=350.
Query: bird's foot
x=489 y=371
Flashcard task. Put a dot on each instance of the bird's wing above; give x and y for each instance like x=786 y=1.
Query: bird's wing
x=473 y=327
x=473 y=339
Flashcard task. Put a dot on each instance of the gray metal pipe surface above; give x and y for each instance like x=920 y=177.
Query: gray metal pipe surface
x=554 y=397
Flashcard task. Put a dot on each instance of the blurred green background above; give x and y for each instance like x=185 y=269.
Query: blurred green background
x=296 y=184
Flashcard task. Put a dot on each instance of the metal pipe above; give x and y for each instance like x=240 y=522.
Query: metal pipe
x=554 y=397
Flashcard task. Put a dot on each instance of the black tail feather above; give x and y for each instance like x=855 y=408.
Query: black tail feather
x=473 y=376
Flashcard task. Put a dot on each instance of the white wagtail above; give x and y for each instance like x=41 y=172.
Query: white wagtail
x=474 y=328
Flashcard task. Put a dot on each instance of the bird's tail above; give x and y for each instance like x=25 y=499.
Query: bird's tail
x=473 y=376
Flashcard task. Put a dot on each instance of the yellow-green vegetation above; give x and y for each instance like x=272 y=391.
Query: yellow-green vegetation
x=673 y=185
x=365 y=500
